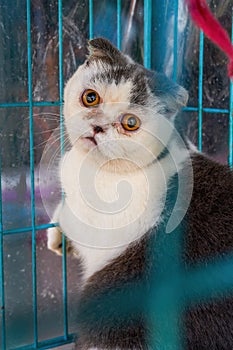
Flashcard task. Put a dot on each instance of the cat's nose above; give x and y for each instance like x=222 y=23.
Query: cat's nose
x=97 y=129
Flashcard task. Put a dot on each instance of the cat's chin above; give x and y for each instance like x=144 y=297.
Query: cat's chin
x=89 y=147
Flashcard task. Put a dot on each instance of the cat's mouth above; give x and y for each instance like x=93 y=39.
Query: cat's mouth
x=92 y=139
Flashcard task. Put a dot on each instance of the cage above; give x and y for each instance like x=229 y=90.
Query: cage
x=41 y=44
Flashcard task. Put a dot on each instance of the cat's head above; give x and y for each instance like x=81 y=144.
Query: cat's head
x=119 y=108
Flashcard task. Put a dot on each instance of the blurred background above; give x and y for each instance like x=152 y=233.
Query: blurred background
x=174 y=51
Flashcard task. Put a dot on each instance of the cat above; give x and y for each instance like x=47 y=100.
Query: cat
x=123 y=125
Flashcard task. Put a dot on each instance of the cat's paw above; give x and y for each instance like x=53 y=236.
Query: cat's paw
x=54 y=241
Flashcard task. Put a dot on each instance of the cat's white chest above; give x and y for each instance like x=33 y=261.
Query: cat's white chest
x=108 y=210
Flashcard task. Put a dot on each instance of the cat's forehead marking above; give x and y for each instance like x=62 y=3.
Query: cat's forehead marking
x=130 y=78
x=112 y=92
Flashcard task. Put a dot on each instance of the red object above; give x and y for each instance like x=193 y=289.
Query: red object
x=205 y=20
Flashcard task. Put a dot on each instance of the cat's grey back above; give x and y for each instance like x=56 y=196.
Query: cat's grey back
x=207 y=234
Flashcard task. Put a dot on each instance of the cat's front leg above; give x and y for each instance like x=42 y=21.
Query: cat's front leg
x=54 y=236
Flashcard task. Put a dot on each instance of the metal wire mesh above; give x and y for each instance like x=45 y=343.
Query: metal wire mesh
x=197 y=283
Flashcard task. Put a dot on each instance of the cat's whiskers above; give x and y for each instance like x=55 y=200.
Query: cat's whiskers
x=48 y=115
x=45 y=131
x=61 y=138
x=58 y=151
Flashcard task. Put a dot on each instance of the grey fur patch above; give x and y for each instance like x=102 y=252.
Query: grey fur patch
x=117 y=74
x=139 y=93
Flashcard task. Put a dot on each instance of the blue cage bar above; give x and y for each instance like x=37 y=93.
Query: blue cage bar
x=197 y=279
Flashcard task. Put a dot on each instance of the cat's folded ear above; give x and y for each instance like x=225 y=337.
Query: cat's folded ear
x=102 y=49
x=180 y=95
x=176 y=98
x=173 y=96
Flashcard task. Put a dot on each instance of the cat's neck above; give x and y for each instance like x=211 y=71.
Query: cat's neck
x=104 y=164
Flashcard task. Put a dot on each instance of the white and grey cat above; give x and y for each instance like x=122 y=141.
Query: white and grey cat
x=121 y=121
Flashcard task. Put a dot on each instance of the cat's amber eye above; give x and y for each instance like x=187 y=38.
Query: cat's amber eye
x=130 y=122
x=90 y=98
